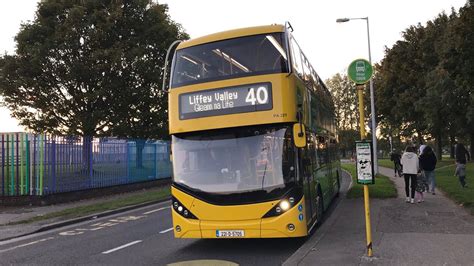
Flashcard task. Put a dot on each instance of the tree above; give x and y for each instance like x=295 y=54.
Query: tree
x=345 y=101
x=461 y=63
x=91 y=68
x=434 y=105
x=347 y=115
x=80 y=67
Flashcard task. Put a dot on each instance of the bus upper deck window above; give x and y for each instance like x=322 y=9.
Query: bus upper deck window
x=232 y=58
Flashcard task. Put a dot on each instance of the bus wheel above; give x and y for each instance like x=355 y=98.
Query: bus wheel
x=320 y=208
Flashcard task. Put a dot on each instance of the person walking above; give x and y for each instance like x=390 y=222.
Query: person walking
x=428 y=162
x=410 y=167
x=422 y=147
x=462 y=156
x=420 y=187
x=395 y=157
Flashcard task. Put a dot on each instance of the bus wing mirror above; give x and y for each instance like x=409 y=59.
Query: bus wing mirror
x=165 y=67
x=299 y=135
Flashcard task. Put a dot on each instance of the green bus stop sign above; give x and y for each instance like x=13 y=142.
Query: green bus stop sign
x=360 y=71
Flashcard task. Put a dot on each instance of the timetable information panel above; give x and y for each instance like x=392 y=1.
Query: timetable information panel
x=229 y=100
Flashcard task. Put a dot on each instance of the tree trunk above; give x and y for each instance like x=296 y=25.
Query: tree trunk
x=451 y=145
x=471 y=150
x=439 y=146
x=420 y=138
x=140 y=144
x=87 y=154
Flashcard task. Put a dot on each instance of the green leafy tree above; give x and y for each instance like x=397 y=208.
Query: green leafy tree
x=461 y=66
x=425 y=83
x=91 y=68
x=437 y=83
x=347 y=115
x=345 y=101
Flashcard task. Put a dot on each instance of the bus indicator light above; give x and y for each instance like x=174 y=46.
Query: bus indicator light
x=300 y=217
x=300 y=207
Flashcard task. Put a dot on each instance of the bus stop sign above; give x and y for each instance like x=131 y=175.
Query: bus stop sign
x=365 y=162
x=360 y=71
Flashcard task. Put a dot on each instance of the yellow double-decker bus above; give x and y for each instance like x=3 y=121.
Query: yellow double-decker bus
x=253 y=137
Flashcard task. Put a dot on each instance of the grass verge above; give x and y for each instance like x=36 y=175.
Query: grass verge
x=383 y=187
x=146 y=196
x=448 y=183
x=389 y=164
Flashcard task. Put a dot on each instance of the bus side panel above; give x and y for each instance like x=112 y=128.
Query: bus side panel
x=189 y=227
x=277 y=226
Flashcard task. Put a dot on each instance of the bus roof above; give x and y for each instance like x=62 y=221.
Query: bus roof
x=232 y=34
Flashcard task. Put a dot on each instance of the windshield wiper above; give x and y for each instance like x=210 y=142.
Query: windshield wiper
x=264 y=172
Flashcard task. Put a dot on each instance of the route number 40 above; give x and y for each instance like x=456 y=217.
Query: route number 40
x=258 y=96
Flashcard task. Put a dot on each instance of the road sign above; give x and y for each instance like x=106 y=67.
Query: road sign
x=360 y=71
x=365 y=162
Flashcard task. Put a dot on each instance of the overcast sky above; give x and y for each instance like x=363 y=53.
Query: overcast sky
x=329 y=46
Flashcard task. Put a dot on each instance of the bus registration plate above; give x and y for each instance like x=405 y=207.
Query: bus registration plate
x=230 y=233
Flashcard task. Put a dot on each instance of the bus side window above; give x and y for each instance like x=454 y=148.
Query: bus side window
x=323 y=150
x=314 y=152
x=296 y=53
x=307 y=72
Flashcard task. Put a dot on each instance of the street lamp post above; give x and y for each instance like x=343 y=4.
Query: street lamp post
x=371 y=84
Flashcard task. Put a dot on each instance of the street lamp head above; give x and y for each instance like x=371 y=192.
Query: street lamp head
x=342 y=20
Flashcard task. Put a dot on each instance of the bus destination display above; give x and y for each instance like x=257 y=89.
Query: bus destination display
x=230 y=100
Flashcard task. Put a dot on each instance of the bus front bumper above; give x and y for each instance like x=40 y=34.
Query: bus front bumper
x=292 y=223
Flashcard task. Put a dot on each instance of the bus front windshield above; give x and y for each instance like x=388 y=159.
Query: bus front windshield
x=234 y=161
x=238 y=57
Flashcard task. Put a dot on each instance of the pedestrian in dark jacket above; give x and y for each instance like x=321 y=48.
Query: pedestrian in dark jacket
x=462 y=156
x=397 y=167
x=428 y=162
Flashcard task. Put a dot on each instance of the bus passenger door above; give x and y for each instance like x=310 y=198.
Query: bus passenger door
x=312 y=166
x=303 y=162
x=324 y=171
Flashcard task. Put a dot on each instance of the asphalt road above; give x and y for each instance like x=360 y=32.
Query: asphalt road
x=140 y=237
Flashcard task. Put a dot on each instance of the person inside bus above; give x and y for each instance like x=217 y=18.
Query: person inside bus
x=210 y=72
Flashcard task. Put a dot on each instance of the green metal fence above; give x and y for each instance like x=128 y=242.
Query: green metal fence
x=33 y=164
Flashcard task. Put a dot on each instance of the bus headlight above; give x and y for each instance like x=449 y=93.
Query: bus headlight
x=284 y=205
x=181 y=210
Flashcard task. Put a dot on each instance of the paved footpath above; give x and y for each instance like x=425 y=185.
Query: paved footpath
x=434 y=232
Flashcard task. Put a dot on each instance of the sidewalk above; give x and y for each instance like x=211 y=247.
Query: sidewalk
x=435 y=232
x=16 y=214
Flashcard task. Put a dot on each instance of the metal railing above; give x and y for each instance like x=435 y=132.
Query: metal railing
x=33 y=164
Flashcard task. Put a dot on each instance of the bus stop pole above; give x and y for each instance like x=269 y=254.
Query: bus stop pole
x=368 y=229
